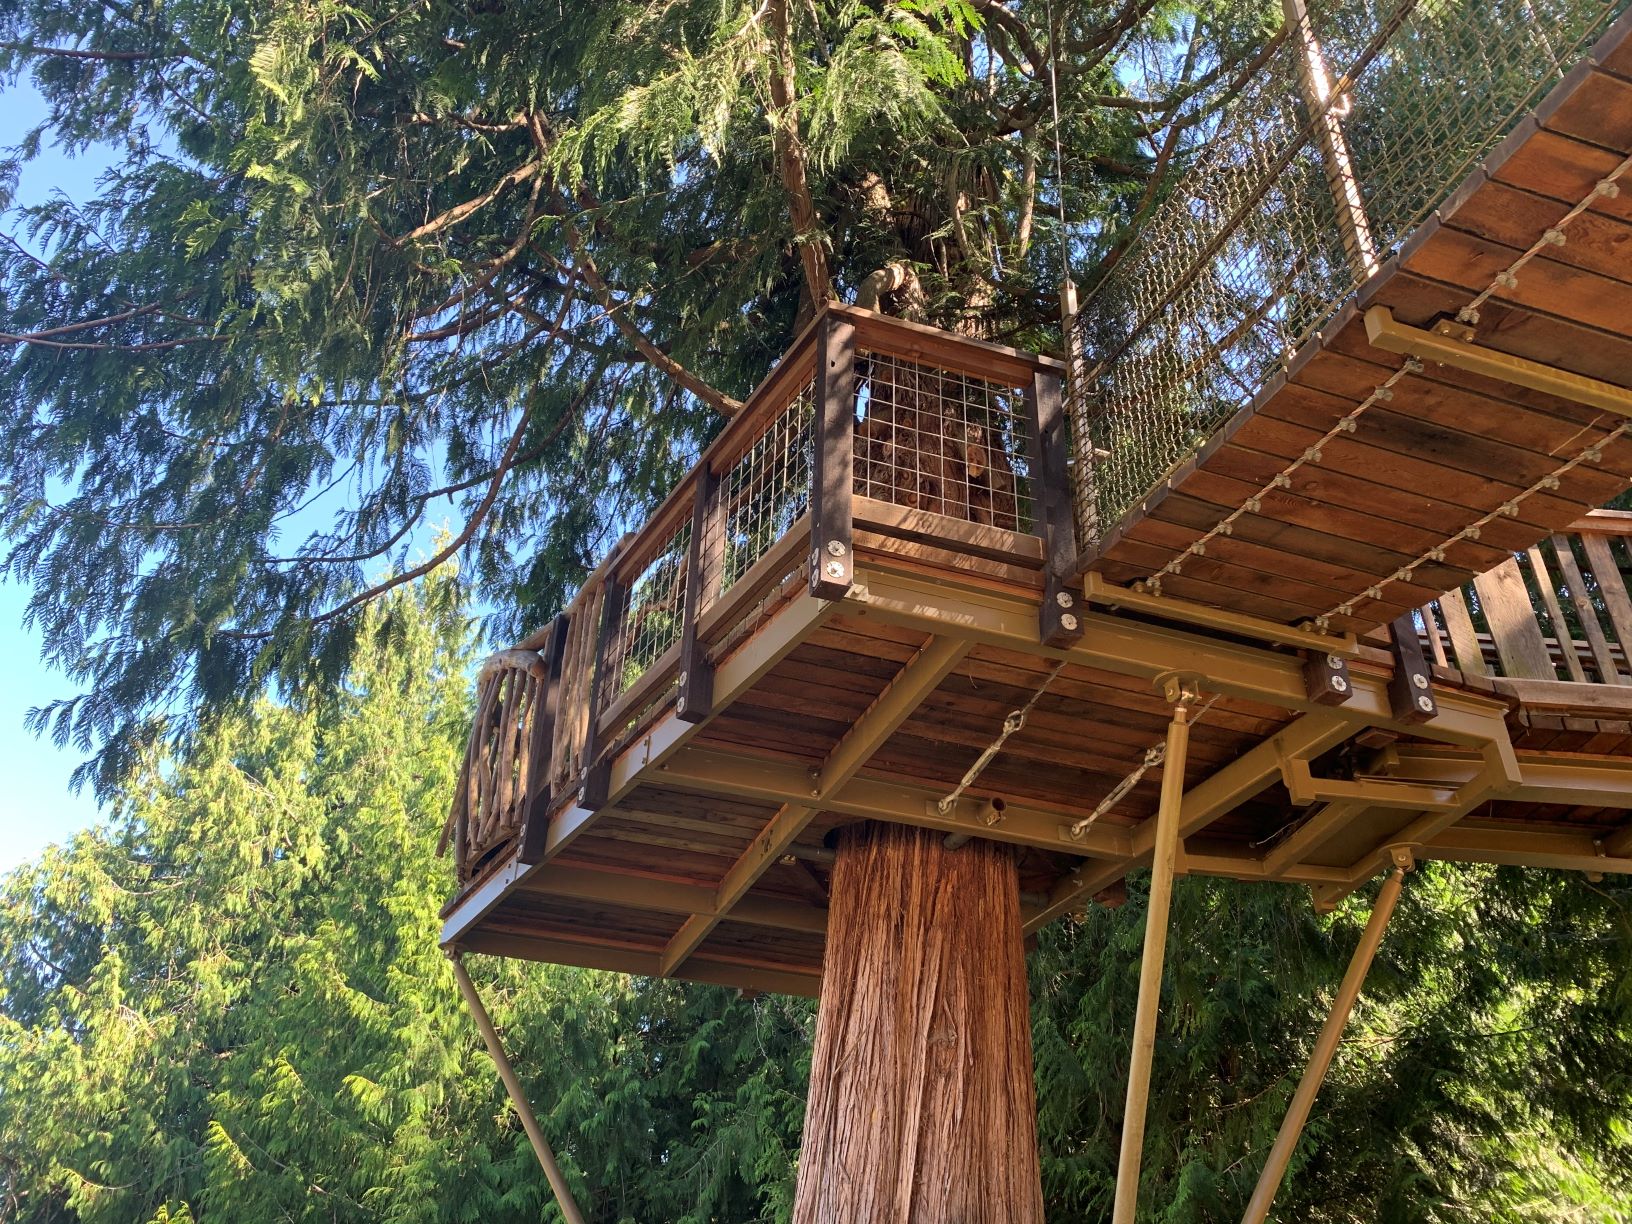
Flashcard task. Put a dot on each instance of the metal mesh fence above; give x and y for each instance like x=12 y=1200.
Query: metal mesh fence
x=942 y=442
x=1356 y=127
x=653 y=606
x=763 y=493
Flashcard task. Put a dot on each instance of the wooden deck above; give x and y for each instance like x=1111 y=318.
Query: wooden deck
x=653 y=778
x=1449 y=446
x=875 y=569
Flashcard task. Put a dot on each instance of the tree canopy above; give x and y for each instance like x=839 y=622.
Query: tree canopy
x=361 y=265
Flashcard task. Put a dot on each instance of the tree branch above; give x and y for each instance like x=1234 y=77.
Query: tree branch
x=790 y=156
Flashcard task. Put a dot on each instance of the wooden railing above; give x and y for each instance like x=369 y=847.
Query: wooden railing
x=1558 y=611
x=871 y=433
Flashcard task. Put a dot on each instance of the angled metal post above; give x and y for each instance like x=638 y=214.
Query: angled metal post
x=1320 y=1060
x=1182 y=691
x=518 y=1098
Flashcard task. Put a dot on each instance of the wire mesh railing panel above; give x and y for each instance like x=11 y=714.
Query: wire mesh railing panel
x=650 y=618
x=762 y=494
x=1354 y=129
x=942 y=442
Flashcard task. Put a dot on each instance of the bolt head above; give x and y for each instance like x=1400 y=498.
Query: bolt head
x=682 y=680
x=1425 y=704
x=835 y=548
x=1068 y=622
x=1064 y=599
x=1339 y=685
x=1335 y=662
x=1419 y=680
x=835 y=569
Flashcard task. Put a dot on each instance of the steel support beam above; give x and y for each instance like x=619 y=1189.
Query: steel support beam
x=1182 y=691
x=518 y=1096
x=1320 y=1060
x=1130 y=648
x=1386 y=333
x=1230 y=786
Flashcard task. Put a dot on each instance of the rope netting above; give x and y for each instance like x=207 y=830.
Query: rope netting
x=1355 y=129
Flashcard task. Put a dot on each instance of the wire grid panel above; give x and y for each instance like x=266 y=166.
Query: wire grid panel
x=649 y=621
x=762 y=494
x=942 y=442
x=1254 y=248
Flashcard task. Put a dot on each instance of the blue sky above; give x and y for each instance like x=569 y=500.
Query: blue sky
x=36 y=807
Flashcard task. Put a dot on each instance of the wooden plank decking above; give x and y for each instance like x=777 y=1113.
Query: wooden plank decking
x=1449 y=447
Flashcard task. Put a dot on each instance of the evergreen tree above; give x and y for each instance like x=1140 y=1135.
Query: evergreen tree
x=228 y=1005
x=512 y=255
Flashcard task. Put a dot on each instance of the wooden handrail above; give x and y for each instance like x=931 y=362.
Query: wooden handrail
x=1559 y=611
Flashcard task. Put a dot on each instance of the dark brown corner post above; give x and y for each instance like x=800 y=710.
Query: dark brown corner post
x=592 y=792
x=1326 y=678
x=1411 y=691
x=535 y=820
x=695 y=701
x=832 y=486
x=1060 y=622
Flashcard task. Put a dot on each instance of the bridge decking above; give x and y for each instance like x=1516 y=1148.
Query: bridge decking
x=1449 y=446
x=877 y=563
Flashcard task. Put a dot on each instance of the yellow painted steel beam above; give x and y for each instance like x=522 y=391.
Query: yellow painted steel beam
x=1571 y=780
x=622 y=958
x=608 y=887
x=1320 y=1059
x=1507 y=846
x=1222 y=792
x=518 y=1097
x=1309 y=836
x=1182 y=691
x=712 y=771
x=1131 y=648
x=1392 y=336
x=1305 y=788
x=1098 y=591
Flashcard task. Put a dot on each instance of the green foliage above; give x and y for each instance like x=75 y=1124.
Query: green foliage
x=308 y=310
x=228 y=1003
x=1486 y=1075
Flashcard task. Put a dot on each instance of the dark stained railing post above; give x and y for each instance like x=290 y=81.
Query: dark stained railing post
x=1060 y=622
x=832 y=544
x=1411 y=691
x=592 y=791
x=535 y=820
x=695 y=701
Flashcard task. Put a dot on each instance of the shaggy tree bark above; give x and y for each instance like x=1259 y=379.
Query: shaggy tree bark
x=921 y=1108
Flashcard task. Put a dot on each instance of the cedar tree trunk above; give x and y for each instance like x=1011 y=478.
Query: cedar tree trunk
x=922 y=1108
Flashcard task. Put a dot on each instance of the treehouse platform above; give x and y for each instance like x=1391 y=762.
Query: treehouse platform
x=913 y=582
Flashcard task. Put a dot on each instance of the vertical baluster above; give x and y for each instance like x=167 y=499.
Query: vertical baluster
x=1436 y=647
x=695 y=701
x=593 y=792
x=1555 y=613
x=832 y=543
x=540 y=767
x=1060 y=621
x=1575 y=581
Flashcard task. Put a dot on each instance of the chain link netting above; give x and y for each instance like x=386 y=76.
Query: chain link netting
x=1286 y=209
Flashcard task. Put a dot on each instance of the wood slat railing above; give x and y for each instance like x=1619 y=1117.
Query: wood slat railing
x=1560 y=611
